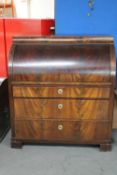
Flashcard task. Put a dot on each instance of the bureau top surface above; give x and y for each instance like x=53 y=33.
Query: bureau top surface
x=58 y=59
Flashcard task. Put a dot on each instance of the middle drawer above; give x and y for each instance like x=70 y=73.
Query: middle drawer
x=61 y=108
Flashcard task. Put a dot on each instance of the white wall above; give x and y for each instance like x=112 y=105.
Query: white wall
x=21 y=8
x=34 y=9
x=42 y=9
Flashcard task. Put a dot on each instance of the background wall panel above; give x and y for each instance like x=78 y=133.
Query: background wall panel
x=72 y=18
x=25 y=27
x=3 y=66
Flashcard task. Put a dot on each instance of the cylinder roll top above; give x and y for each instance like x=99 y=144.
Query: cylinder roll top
x=62 y=59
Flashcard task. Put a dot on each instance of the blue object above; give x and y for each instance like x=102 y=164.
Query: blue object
x=74 y=17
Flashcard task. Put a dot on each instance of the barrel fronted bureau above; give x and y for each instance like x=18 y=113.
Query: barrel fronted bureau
x=61 y=90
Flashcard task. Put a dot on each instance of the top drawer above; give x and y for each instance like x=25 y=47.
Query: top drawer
x=61 y=92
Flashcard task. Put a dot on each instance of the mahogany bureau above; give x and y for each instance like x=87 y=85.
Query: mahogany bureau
x=61 y=90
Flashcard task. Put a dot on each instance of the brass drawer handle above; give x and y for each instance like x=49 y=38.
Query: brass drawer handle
x=60 y=91
x=60 y=127
x=60 y=106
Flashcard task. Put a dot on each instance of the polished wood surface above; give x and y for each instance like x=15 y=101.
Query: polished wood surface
x=62 y=130
x=61 y=90
x=115 y=113
x=68 y=109
x=46 y=63
x=28 y=129
x=64 y=40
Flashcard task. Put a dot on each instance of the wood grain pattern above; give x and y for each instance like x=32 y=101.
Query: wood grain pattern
x=115 y=114
x=85 y=132
x=61 y=90
x=71 y=109
x=46 y=63
x=28 y=129
x=70 y=92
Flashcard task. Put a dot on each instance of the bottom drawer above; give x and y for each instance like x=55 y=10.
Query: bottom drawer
x=76 y=131
x=61 y=131
x=28 y=129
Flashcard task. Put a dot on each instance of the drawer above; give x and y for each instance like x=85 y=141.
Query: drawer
x=61 y=130
x=38 y=129
x=28 y=129
x=76 y=132
x=61 y=108
x=60 y=92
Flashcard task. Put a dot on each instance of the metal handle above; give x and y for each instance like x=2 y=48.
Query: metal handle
x=52 y=28
x=60 y=127
x=60 y=106
x=60 y=91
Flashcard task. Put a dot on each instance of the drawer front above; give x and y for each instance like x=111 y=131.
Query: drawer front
x=61 y=131
x=76 y=131
x=67 y=92
x=28 y=129
x=61 y=108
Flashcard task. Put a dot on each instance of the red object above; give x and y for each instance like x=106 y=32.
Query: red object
x=21 y=27
x=45 y=26
x=3 y=65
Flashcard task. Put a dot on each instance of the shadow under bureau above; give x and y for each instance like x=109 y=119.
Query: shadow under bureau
x=61 y=90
